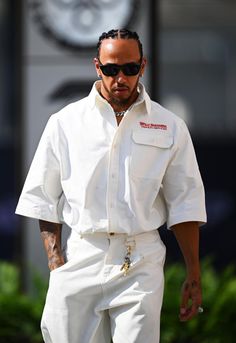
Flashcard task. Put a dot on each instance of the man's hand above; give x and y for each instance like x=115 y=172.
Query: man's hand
x=55 y=262
x=187 y=235
x=191 y=299
x=51 y=236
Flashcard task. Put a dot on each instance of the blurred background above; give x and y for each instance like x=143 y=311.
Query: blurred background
x=46 y=60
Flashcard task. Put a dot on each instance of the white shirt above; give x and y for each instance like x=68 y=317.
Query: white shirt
x=96 y=176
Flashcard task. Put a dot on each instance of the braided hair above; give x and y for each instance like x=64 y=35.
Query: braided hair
x=122 y=34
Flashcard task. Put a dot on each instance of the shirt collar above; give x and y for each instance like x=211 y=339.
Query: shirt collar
x=95 y=99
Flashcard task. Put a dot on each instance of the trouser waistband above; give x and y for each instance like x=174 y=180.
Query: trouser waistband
x=117 y=234
x=129 y=247
x=123 y=236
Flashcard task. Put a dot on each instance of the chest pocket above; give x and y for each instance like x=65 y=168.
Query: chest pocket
x=150 y=153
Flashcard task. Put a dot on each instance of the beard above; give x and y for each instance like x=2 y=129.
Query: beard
x=118 y=101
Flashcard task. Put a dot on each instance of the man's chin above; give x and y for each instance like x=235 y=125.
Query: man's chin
x=120 y=100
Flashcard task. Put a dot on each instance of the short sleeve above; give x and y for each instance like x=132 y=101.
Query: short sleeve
x=182 y=184
x=42 y=189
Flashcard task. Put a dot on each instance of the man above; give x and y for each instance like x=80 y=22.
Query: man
x=114 y=166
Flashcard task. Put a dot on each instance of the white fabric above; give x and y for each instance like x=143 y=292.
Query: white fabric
x=90 y=300
x=99 y=177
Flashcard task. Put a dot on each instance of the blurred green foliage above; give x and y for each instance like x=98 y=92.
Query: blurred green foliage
x=20 y=313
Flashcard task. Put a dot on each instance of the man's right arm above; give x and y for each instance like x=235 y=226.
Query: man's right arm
x=51 y=236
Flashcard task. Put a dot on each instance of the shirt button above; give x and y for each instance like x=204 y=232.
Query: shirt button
x=113 y=176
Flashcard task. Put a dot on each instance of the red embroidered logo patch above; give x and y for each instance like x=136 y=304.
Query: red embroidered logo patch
x=153 y=126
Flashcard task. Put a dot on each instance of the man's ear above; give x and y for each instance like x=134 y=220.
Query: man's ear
x=96 y=64
x=143 y=65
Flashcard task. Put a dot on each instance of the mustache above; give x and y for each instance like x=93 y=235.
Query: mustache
x=118 y=87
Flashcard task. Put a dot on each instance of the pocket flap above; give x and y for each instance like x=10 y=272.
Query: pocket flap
x=152 y=138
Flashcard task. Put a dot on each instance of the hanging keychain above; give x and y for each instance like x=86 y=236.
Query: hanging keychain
x=126 y=265
x=130 y=244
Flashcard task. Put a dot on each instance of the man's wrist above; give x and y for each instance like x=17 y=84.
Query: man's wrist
x=194 y=271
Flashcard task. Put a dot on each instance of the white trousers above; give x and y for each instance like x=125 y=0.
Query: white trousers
x=90 y=300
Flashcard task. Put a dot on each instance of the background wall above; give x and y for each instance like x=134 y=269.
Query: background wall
x=197 y=79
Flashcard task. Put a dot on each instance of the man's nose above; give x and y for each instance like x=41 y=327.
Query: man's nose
x=120 y=77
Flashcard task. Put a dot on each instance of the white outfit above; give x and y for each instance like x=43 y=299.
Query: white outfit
x=90 y=300
x=99 y=179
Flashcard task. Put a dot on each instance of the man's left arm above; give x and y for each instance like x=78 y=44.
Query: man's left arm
x=187 y=235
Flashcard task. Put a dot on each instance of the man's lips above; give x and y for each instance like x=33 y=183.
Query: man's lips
x=120 y=89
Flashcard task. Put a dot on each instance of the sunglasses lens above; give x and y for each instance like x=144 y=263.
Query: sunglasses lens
x=110 y=69
x=131 y=69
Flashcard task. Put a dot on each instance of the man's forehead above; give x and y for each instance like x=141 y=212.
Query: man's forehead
x=120 y=48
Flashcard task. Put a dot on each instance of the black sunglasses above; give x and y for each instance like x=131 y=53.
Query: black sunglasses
x=128 y=69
